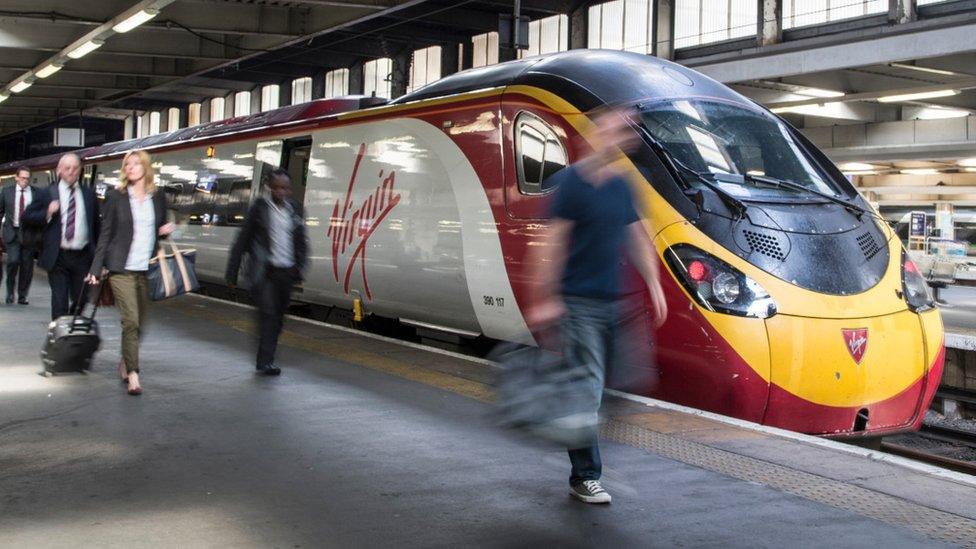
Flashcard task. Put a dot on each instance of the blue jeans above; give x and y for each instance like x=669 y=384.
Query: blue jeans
x=587 y=334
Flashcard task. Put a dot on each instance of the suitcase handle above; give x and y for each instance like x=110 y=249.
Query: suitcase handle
x=80 y=304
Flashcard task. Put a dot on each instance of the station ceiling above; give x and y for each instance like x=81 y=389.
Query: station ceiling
x=196 y=49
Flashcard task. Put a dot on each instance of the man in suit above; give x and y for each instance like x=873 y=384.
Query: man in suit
x=14 y=201
x=68 y=215
x=274 y=237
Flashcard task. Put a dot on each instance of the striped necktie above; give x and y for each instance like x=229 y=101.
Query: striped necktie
x=69 y=229
x=20 y=209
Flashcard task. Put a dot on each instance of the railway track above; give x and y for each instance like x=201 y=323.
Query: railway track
x=938 y=433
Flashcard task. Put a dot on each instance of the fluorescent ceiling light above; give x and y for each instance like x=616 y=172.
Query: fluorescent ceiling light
x=917 y=96
x=921 y=69
x=920 y=171
x=135 y=20
x=968 y=162
x=812 y=110
x=47 y=70
x=970 y=170
x=3 y=97
x=855 y=167
x=938 y=113
x=819 y=92
x=21 y=86
x=860 y=172
x=85 y=49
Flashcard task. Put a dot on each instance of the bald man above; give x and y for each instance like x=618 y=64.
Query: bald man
x=68 y=214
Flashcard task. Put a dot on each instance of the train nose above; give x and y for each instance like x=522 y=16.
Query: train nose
x=840 y=376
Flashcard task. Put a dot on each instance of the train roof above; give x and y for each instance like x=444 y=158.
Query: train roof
x=586 y=78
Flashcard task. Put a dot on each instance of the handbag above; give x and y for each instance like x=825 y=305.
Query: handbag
x=536 y=393
x=106 y=298
x=172 y=274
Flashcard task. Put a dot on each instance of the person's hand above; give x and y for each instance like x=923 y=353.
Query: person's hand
x=659 y=304
x=53 y=208
x=167 y=229
x=546 y=313
x=91 y=279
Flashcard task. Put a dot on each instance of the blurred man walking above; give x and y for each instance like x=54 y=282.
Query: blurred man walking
x=594 y=222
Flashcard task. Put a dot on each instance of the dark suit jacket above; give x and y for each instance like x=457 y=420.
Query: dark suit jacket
x=36 y=216
x=115 y=237
x=8 y=209
x=255 y=240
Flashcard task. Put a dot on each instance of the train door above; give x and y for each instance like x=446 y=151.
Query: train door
x=294 y=159
x=292 y=155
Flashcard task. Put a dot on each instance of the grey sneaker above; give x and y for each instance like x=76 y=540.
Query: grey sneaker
x=590 y=491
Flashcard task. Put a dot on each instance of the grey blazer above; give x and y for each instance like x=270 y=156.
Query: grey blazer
x=115 y=237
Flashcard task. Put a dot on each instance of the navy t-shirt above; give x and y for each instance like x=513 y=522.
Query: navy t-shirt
x=600 y=215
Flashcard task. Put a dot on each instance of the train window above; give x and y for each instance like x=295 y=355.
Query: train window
x=539 y=153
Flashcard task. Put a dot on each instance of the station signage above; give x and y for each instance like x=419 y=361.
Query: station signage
x=917 y=225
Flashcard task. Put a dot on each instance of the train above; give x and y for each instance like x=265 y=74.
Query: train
x=792 y=304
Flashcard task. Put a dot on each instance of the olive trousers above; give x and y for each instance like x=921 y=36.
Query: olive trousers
x=132 y=299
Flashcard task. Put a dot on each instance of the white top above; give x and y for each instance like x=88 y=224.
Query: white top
x=143 y=233
x=28 y=196
x=281 y=225
x=81 y=217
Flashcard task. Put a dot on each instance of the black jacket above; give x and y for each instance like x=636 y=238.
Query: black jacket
x=8 y=208
x=115 y=238
x=36 y=216
x=254 y=240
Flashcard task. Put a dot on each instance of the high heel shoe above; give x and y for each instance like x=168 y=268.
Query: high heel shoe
x=137 y=390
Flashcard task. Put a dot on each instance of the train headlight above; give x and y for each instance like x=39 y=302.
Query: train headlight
x=914 y=286
x=718 y=286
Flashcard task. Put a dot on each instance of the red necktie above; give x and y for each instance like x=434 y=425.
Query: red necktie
x=20 y=209
x=69 y=230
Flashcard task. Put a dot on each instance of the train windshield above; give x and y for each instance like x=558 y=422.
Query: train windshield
x=743 y=150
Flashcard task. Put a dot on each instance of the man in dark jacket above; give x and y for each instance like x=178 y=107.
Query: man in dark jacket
x=273 y=238
x=68 y=215
x=14 y=201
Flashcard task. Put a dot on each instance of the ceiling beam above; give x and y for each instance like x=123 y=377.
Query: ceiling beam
x=327 y=3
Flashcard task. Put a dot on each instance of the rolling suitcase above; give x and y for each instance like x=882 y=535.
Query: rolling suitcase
x=71 y=340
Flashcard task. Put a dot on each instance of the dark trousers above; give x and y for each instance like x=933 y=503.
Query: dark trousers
x=271 y=298
x=20 y=269
x=67 y=278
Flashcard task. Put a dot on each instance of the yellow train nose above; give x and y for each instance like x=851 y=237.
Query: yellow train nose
x=844 y=375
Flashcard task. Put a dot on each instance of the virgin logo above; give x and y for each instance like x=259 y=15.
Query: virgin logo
x=857 y=342
x=352 y=225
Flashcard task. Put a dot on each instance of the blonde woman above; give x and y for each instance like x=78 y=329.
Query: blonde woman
x=133 y=219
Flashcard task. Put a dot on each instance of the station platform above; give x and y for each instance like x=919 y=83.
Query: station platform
x=369 y=442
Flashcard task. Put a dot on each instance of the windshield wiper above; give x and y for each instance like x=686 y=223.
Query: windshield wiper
x=786 y=184
x=738 y=207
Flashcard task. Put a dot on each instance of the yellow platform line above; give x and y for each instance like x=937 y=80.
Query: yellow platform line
x=353 y=355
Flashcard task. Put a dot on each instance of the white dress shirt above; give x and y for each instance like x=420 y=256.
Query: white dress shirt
x=28 y=196
x=143 y=233
x=282 y=225
x=81 y=217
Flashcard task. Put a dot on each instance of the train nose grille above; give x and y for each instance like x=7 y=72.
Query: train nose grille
x=764 y=244
x=868 y=245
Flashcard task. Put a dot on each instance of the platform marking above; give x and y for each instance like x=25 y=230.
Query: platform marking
x=483 y=393
x=891 y=510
